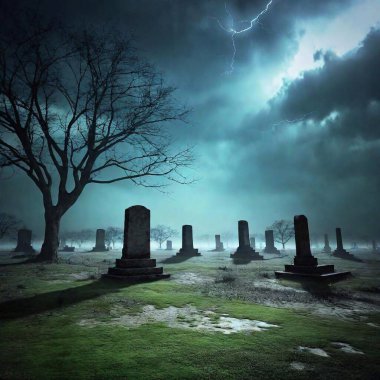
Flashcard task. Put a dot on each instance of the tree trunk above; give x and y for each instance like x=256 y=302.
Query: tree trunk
x=283 y=245
x=49 y=250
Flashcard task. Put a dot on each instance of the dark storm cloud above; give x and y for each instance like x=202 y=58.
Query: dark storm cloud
x=319 y=140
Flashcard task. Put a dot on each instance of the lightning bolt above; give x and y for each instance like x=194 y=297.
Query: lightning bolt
x=235 y=32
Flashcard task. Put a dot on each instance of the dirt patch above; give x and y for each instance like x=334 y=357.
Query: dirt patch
x=187 y=317
x=347 y=348
x=298 y=366
x=190 y=278
x=314 y=351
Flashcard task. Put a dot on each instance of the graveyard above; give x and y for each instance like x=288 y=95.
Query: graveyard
x=189 y=190
x=207 y=316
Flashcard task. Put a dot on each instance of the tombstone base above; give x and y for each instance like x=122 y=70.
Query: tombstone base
x=99 y=249
x=67 y=249
x=136 y=270
x=326 y=250
x=24 y=248
x=188 y=252
x=343 y=254
x=314 y=276
x=271 y=250
x=217 y=250
x=245 y=254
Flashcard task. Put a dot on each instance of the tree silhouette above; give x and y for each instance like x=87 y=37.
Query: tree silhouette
x=78 y=108
x=283 y=231
x=160 y=233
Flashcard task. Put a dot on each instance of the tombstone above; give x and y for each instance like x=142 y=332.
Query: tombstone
x=245 y=251
x=100 y=245
x=135 y=264
x=187 y=242
x=219 y=246
x=252 y=242
x=169 y=245
x=269 y=243
x=24 y=241
x=305 y=264
x=326 y=248
x=340 y=251
x=67 y=248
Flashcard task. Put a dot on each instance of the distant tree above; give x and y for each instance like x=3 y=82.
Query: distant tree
x=161 y=233
x=9 y=224
x=79 y=108
x=205 y=238
x=113 y=234
x=78 y=237
x=283 y=231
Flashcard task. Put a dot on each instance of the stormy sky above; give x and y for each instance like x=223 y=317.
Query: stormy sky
x=294 y=128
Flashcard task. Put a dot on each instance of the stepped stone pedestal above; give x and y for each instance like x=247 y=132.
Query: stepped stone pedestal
x=305 y=264
x=24 y=241
x=135 y=264
x=187 y=249
x=100 y=245
x=245 y=251
x=269 y=243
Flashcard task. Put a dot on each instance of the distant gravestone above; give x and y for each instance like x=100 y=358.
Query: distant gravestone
x=100 y=242
x=169 y=245
x=244 y=250
x=340 y=251
x=305 y=264
x=24 y=241
x=135 y=263
x=252 y=242
x=269 y=242
x=187 y=242
x=326 y=248
x=219 y=247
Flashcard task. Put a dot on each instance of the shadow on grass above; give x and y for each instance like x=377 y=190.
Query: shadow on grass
x=276 y=257
x=22 y=307
x=175 y=259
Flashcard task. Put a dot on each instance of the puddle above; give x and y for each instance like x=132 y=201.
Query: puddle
x=314 y=351
x=347 y=348
x=187 y=317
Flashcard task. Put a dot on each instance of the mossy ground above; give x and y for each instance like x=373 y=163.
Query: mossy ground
x=42 y=305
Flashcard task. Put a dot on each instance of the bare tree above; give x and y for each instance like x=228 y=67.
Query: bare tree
x=9 y=224
x=82 y=108
x=161 y=233
x=283 y=231
x=113 y=234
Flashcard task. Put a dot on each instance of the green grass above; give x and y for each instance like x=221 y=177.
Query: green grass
x=40 y=337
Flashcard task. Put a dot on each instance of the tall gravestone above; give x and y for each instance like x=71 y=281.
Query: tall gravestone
x=326 y=248
x=244 y=250
x=100 y=241
x=135 y=263
x=340 y=251
x=24 y=241
x=374 y=247
x=305 y=264
x=187 y=249
x=169 y=245
x=269 y=242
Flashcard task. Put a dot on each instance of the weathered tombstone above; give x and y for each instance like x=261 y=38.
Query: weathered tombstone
x=219 y=247
x=305 y=264
x=269 y=243
x=100 y=242
x=169 y=245
x=187 y=242
x=67 y=248
x=245 y=251
x=135 y=263
x=252 y=242
x=326 y=248
x=24 y=241
x=374 y=247
x=340 y=251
